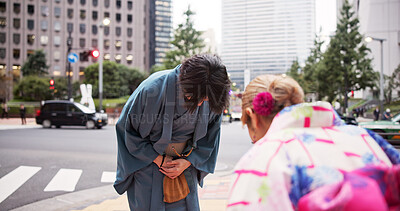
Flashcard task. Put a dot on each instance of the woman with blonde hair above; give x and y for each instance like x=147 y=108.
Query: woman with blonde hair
x=305 y=158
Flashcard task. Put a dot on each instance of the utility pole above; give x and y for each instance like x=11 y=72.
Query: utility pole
x=69 y=45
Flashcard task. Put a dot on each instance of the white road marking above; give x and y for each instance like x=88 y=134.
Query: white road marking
x=64 y=180
x=13 y=180
x=108 y=176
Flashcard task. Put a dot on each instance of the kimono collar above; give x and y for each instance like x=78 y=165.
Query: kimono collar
x=305 y=115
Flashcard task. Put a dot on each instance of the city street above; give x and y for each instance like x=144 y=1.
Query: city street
x=38 y=163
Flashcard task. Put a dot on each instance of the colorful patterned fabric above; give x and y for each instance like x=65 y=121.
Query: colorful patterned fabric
x=306 y=147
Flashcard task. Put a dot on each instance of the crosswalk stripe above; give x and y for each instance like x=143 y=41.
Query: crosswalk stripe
x=13 y=180
x=64 y=180
x=108 y=176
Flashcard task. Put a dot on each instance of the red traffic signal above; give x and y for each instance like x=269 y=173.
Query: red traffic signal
x=51 y=83
x=95 y=53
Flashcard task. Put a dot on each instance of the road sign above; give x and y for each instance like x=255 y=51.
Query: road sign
x=73 y=57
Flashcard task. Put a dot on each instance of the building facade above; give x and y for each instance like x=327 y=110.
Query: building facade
x=265 y=36
x=29 y=25
x=161 y=26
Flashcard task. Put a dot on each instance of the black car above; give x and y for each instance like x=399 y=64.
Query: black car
x=62 y=112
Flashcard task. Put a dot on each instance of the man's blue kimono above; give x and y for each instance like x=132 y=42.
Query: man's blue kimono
x=144 y=131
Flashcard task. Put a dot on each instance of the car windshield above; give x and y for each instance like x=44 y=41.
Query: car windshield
x=396 y=118
x=84 y=108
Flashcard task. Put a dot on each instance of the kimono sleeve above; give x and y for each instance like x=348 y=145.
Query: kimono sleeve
x=204 y=156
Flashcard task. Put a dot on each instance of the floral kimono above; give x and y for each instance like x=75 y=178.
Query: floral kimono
x=306 y=147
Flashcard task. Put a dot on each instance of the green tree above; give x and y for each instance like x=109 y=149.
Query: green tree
x=33 y=88
x=311 y=67
x=35 y=64
x=118 y=80
x=393 y=83
x=345 y=65
x=187 y=42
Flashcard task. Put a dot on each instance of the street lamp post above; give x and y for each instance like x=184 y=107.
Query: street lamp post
x=381 y=98
x=105 y=22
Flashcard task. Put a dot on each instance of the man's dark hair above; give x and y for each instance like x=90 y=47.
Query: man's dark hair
x=204 y=76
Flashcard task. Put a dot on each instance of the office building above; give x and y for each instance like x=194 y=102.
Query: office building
x=29 y=25
x=265 y=36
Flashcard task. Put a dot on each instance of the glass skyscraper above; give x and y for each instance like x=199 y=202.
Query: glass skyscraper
x=265 y=36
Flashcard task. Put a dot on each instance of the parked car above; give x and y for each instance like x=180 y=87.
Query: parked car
x=384 y=126
x=63 y=112
x=349 y=120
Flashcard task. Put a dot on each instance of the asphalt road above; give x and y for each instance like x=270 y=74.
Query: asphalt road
x=42 y=155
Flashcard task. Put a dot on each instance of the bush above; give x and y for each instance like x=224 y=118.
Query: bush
x=33 y=88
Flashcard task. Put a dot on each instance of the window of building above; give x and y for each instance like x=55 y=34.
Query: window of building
x=130 y=5
x=118 y=4
x=94 y=29
x=2 y=37
x=106 y=3
x=82 y=42
x=106 y=30
x=95 y=3
x=118 y=31
x=17 y=23
x=118 y=58
x=130 y=32
x=31 y=9
x=45 y=10
x=129 y=17
x=43 y=25
x=129 y=45
x=70 y=1
x=118 y=44
x=83 y=2
x=17 y=8
x=57 y=26
x=118 y=17
x=70 y=13
x=94 y=15
x=57 y=40
x=31 y=39
x=57 y=1
x=16 y=38
x=3 y=6
x=107 y=56
x=106 y=15
x=3 y=22
x=129 y=58
x=57 y=55
x=70 y=27
x=82 y=28
x=44 y=40
x=57 y=12
x=2 y=54
x=83 y=14
x=31 y=24
x=16 y=53
x=94 y=43
x=106 y=44
x=29 y=52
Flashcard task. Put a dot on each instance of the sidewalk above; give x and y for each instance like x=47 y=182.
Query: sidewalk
x=213 y=197
x=15 y=123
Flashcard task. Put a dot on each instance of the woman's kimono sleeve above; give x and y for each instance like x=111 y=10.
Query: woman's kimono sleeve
x=135 y=150
x=204 y=156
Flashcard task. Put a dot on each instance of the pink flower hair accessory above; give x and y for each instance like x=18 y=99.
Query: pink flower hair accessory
x=263 y=103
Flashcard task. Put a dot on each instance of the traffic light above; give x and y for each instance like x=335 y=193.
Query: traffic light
x=95 y=53
x=84 y=56
x=51 y=83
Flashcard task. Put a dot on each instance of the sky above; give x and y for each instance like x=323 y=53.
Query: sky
x=208 y=15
